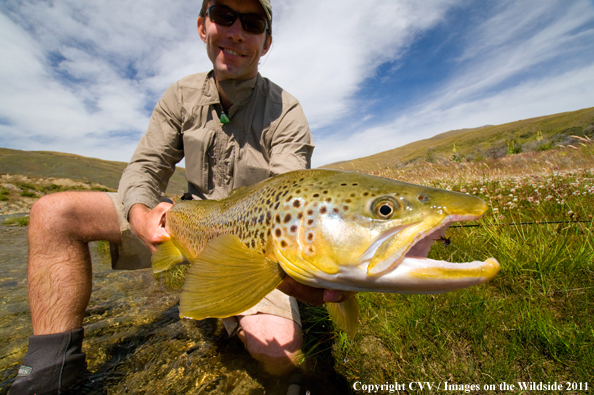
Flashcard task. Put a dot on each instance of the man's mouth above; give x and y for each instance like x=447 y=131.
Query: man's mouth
x=231 y=52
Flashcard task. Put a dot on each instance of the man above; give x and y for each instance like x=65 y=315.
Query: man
x=234 y=128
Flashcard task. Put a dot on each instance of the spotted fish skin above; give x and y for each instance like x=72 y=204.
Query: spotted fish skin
x=325 y=228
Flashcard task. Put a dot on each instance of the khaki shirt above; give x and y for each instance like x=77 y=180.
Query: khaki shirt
x=267 y=135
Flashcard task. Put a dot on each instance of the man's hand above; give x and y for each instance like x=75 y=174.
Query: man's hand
x=149 y=225
x=311 y=295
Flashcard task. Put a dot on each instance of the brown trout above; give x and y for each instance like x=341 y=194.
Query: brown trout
x=325 y=228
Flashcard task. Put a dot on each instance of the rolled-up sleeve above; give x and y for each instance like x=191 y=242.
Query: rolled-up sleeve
x=292 y=144
x=145 y=178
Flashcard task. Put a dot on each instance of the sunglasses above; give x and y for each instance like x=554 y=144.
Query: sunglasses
x=225 y=16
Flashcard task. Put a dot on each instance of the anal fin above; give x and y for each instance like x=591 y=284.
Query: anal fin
x=346 y=315
x=226 y=279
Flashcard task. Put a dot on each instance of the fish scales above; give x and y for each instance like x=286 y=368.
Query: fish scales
x=325 y=228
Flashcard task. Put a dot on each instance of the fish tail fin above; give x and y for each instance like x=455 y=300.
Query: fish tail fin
x=346 y=315
x=166 y=256
x=226 y=279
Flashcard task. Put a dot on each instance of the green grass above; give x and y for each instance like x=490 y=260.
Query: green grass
x=17 y=221
x=532 y=323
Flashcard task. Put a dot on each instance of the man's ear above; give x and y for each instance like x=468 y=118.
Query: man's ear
x=202 y=28
x=267 y=45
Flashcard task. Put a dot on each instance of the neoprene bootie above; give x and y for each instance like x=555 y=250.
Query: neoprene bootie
x=52 y=365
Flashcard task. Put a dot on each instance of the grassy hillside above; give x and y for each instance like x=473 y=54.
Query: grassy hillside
x=488 y=142
x=60 y=165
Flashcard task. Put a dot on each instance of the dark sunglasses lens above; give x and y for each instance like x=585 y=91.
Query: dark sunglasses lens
x=225 y=16
x=253 y=24
x=222 y=15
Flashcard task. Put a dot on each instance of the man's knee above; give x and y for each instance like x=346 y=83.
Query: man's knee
x=82 y=215
x=272 y=340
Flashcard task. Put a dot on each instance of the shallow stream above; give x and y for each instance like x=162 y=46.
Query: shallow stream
x=135 y=341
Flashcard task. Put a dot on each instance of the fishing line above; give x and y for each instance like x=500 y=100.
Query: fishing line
x=521 y=223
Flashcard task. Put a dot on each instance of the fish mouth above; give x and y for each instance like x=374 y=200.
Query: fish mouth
x=407 y=269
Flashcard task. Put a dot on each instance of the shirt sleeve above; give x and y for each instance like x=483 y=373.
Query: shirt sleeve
x=145 y=178
x=292 y=144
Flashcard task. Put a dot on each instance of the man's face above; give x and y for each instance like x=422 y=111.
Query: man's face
x=234 y=52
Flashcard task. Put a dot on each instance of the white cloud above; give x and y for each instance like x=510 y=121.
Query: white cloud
x=323 y=51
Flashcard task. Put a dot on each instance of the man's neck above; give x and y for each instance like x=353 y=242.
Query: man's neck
x=225 y=101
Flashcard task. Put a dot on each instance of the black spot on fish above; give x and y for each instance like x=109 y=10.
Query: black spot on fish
x=335 y=210
x=278 y=232
x=293 y=229
x=328 y=199
x=316 y=195
x=296 y=203
x=348 y=201
x=325 y=192
x=365 y=193
x=300 y=215
x=253 y=244
x=277 y=219
x=287 y=218
x=283 y=244
x=289 y=198
x=310 y=221
x=345 y=208
x=355 y=185
x=310 y=212
x=343 y=185
x=310 y=236
x=298 y=191
x=276 y=206
x=323 y=210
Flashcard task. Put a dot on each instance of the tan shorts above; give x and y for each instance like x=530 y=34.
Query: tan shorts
x=133 y=254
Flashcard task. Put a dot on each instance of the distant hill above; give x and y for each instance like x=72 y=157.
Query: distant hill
x=60 y=165
x=528 y=135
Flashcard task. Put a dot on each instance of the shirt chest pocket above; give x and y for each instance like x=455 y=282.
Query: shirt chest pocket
x=210 y=158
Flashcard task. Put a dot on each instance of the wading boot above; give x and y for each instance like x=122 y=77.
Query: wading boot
x=52 y=365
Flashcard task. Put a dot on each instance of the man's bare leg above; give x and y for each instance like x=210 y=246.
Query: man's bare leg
x=59 y=276
x=59 y=270
x=274 y=341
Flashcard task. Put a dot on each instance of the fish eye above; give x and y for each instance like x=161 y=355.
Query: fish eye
x=385 y=208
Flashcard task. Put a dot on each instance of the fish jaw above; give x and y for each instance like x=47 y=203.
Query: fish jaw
x=413 y=275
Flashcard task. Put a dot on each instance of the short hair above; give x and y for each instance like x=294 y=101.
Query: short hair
x=205 y=4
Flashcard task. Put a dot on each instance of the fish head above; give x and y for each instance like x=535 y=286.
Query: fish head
x=343 y=227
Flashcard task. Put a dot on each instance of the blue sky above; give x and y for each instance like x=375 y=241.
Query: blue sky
x=83 y=77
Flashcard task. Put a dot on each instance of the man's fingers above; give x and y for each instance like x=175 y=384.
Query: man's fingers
x=311 y=295
x=304 y=293
x=335 y=296
x=160 y=233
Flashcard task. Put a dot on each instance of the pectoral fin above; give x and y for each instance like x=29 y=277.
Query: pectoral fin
x=166 y=256
x=226 y=279
x=346 y=315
